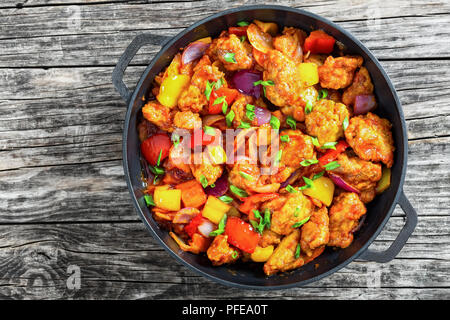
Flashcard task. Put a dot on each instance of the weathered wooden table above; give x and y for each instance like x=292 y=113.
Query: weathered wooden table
x=64 y=206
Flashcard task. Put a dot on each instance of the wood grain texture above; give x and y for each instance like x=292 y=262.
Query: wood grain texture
x=63 y=198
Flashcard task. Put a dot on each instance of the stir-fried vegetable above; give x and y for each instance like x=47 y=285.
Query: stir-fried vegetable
x=322 y=190
x=385 y=180
x=192 y=194
x=167 y=199
x=241 y=234
x=171 y=89
x=319 y=42
x=215 y=209
x=262 y=254
x=309 y=73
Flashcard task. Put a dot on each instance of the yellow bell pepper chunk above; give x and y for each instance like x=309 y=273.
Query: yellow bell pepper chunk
x=385 y=180
x=322 y=190
x=217 y=154
x=268 y=27
x=171 y=88
x=205 y=40
x=167 y=199
x=262 y=254
x=214 y=209
x=309 y=73
x=174 y=67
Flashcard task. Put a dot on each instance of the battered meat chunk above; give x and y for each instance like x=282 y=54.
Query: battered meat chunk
x=298 y=148
x=297 y=111
x=288 y=210
x=220 y=252
x=192 y=99
x=283 y=257
x=315 y=232
x=159 y=115
x=287 y=83
x=371 y=138
x=325 y=121
x=229 y=46
x=206 y=169
x=338 y=73
x=290 y=43
x=269 y=238
x=187 y=120
x=362 y=84
x=360 y=174
x=344 y=214
x=239 y=109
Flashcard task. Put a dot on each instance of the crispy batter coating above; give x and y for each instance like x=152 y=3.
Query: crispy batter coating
x=337 y=73
x=290 y=43
x=297 y=111
x=283 y=257
x=269 y=238
x=360 y=174
x=287 y=83
x=227 y=44
x=287 y=211
x=206 y=169
x=362 y=84
x=220 y=252
x=239 y=109
x=315 y=232
x=187 y=120
x=325 y=121
x=205 y=71
x=159 y=115
x=344 y=214
x=371 y=138
x=192 y=99
x=298 y=148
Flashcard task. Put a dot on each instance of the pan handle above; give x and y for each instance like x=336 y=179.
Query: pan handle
x=390 y=253
x=117 y=75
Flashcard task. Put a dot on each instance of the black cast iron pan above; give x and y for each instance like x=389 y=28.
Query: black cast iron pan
x=379 y=211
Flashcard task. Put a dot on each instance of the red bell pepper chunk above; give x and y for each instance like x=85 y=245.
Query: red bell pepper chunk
x=154 y=145
x=331 y=154
x=241 y=234
x=239 y=31
x=229 y=94
x=251 y=203
x=192 y=226
x=201 y=138
x=319 y=42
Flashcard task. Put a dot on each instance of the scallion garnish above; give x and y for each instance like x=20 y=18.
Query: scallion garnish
x=204 y=181
x=308 y=162
x=345 y=124
x=149 y=200
x=291 y=189
x=243 y=23
x=300 y=223
x=274 y=122
x=244 y=125
x=308 y=107
x=229 y=118
x=284 y=138
x=332 y=165
x=323 y=93
x=318 y=175
x=250 y=113
x=229 y=57
x=245 y=175
x=329 y=145
x=291 y=122
x=220 y=228
x=297 y=251
x=225 y=199
x=315 y=141
x=239 y=192
x=209 y=130
x=208 y=89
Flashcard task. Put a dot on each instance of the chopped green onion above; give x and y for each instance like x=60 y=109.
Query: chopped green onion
x=244 y=125
x=264 y=84
x=219 y=100
x=291 y=122
x=291 y=189
x=245 y=175
x=274 y=122
x=156 y=170
x=278 y=157
x=300 y=223
x=224 y=107
x=220 y=228
x=296 y=212
x=229 y=57
x=209 y=130
x=308 y=162
x=297 y=251
x=250 y=113
x=329 y=145
x=149 y=200
x=235 y=254
x=345 y=124
x=239 y=192
x=226 y=199
x=318 y=175
x=284 y=138
x=315 y=141
x=308 y=107
x=204 y=181
x=323 y=93
x=267 y=218
x=176 y=139
x=218 y=84
x=309 y=183
x=208 y=89
x=158 y=162
x=243 y=38
x=243 y=23
x=332 y=165
x=229 y=118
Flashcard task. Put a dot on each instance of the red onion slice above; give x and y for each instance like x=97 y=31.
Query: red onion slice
x=364 y=104
x=220 y=187
x=194 y=51
x=206 y=227
x=262 y=115
x=342 y=184
x=291 y=179
x=243 y=81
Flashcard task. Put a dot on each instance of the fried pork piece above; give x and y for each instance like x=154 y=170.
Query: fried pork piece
x=371 y=138
x=337 y=73
x=187 y=120
x=220 y=252
x=362 y=84
x=290 y=43
x=246 y=175
x=192 y=99
x=297 y=111
x=287 y=83
x=287 y=210
x=318 y=59
x=325 y=121
x=283 y=257
x=206 y=169
x=360 y=174
x=344 y=214
x=298 y=148
x=159 y=115
x=229 y=46
x=269 y=238
x=315 y=232
x=239 y=109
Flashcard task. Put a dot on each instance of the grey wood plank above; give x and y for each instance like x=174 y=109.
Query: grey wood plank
x=125 y=262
